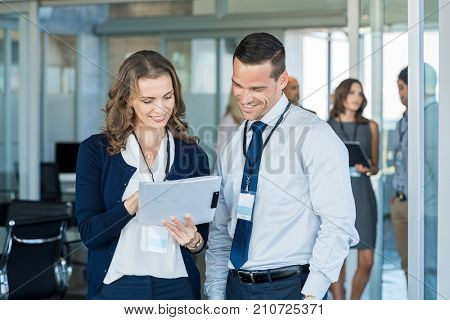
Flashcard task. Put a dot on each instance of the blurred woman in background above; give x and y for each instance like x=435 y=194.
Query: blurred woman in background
x=347 y=121
x=229 y=123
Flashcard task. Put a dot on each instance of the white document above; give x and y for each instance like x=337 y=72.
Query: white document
x=160 y=201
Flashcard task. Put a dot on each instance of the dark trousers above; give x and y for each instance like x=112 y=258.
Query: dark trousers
x=285 y=289
x=146 y=288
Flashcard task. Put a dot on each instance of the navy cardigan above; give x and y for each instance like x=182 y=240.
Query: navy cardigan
x=100 y=183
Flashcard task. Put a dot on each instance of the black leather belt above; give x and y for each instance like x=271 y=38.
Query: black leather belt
x=261 y=276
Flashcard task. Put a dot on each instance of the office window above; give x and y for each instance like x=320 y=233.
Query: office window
x=314 y=90
x=306 y=7
x=162 y=8
x=122 y=47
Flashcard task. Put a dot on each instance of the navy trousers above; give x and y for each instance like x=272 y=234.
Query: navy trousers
x=147 y=288
x=285 y=289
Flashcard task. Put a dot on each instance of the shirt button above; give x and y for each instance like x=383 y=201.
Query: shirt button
x=105 y=271
x=124 y=184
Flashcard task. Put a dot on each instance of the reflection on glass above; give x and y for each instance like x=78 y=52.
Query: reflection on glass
x=431 y=181
x=431 y=57
x=395 y=58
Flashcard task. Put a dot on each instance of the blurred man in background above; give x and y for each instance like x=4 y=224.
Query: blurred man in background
x=292 y=92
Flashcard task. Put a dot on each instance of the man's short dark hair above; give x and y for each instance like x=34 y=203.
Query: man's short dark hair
x=403 y=75
x=258 y=48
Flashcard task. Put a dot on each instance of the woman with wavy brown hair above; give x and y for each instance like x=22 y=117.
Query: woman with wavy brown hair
x=144 y=140
x=347 y=120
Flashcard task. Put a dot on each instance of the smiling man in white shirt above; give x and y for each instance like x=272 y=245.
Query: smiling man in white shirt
x=286 y=214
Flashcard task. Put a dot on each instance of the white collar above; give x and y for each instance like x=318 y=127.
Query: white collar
x=132 y=153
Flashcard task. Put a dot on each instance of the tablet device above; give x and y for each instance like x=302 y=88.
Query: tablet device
x=160 y=201
x=356 y=154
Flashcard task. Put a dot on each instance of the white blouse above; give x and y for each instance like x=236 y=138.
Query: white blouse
x=131 y=256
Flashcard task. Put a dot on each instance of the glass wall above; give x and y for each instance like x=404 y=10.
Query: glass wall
x=431 y=131
x=195 y=61
x=384 y=39
x=395 y=49
x=9 y=99
x=59 y=109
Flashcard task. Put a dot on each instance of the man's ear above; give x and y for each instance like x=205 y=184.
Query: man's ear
x=283 y=80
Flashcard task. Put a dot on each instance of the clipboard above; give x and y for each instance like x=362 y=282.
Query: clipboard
x=160 y=201
x=356 y=154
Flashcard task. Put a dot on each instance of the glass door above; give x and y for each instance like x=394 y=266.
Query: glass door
x=9 y=96
x=20 y=98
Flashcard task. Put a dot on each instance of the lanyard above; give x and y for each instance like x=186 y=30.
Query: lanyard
x=258 y=158
x=168 y=156
x=345 y=132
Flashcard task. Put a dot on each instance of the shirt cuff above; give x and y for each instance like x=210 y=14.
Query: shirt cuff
x=316 y=285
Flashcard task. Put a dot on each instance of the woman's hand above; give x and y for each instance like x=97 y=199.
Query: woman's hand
x=132 y=203
x=185 y=234
x=361 y=169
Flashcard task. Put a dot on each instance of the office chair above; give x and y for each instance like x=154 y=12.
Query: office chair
x=32 y=265
x=6 y=196
x=50 y=185
x=3 y=212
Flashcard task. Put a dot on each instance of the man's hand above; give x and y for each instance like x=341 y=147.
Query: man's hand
x=360 y=168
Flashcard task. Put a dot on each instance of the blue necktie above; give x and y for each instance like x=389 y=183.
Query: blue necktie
x=243 y=231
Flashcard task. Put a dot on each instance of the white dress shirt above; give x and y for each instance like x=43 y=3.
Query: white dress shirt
x=304 y=209
x=128 y=258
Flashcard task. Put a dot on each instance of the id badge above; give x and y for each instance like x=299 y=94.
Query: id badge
x=154 y=239
x=245 y=207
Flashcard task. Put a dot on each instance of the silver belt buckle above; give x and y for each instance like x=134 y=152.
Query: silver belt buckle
x=239 y=272
x=251 y=277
